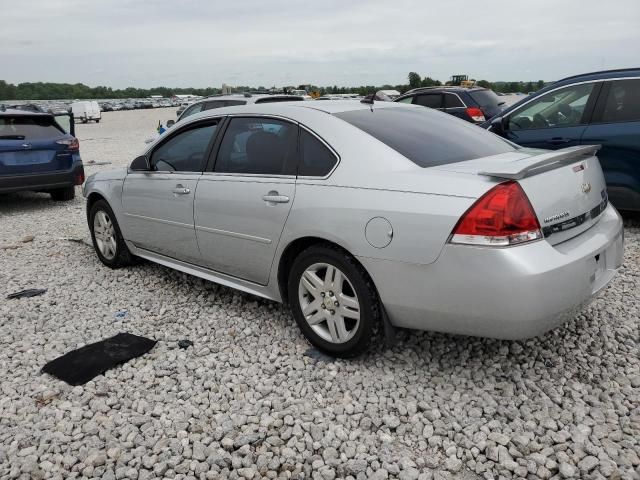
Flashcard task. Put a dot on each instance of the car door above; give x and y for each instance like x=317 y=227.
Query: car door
x=554 y=120
x=242 y=204
x=616 y=126
x=158 y=204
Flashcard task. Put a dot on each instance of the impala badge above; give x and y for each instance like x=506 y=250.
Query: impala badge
x=557 y=216
x=586 y=187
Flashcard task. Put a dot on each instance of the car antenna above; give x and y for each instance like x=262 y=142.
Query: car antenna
x=369 y=101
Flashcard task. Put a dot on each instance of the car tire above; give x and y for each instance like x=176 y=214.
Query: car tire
x=339 y=317
x=107 y=238
x=63 y=194
x=97 y=120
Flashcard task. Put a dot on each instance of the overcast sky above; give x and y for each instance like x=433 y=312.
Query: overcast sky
x=145 y=43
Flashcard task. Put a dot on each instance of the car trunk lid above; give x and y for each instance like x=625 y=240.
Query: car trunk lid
x=565 y=187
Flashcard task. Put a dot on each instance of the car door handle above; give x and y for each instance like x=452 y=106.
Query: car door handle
x=180 y=190
x=275 y=197
x=558 y=141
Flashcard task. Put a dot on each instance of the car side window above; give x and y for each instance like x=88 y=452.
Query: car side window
x=560 y=108
x=192 y=109
x=259 y=146
x=406 y=100
x=316 y=160
x=185 y=151
x=433 y=100
x=623 y=102
x=452 y=101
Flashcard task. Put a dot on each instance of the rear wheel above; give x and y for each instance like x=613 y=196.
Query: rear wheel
x=107 y=238
x=333 y=301
x=97 y=120
x=63 y=194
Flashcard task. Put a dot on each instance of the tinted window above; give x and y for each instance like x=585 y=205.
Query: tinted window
x=431 y=101
x=427 y=138
x=406 y=100
x=452 y=101
x=223 y=103
x=184 y=151
x=258 y=145
x=560 y=108
x=279 y=99
x=192 y=109
x=623 y=102
x=486 y=98
x=24 y=127
x=315 y=158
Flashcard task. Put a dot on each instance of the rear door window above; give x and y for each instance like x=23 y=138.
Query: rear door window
x=452 y=100
x=192 y=110
x=431 y=100
x=623 y=102
x=426 y=138
x=258 y=146
x=316 y=160
x=25 y=127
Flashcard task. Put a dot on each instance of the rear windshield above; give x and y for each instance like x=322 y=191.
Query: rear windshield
x=486 y=98
x=426 y=137
x=24 y=127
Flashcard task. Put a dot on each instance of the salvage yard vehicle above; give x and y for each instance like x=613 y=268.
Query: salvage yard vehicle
x=219 y=101
x=86 y=111
x=434 y=224
x=37 y=153
x=601 y=108
x=474 y=104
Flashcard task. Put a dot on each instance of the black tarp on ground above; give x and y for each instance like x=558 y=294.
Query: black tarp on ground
x=79 y=366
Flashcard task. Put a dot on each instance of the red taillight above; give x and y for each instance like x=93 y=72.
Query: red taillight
x=78 y=176
x=72 y=144
x=475 y=114
x=503 y=216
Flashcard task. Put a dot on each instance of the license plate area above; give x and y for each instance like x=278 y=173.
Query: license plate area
x=31 y=157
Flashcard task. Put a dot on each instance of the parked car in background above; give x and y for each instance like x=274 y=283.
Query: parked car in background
x=474 y=104
x=37 y=153
x=220 y=101
x=86 y=111
x=433 y=224
x=600 y=108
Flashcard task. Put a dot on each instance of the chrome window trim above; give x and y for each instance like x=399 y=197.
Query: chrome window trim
x=464 y=105
x=329 y=147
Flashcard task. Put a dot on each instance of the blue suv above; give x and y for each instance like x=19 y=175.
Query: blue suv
x=36 y=153
x=474 y=104
x=594 y=108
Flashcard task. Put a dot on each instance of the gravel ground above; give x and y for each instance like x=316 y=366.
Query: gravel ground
x=246 y=402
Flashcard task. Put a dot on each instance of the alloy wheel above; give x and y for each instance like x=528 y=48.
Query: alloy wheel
x=329 y=303
x=105 y=235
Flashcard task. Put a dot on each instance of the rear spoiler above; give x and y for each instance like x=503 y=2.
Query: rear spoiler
x=536 y=164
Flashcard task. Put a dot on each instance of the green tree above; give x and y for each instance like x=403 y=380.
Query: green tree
x=415 y=80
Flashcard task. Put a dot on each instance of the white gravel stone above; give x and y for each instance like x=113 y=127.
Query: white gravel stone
x=244 y=402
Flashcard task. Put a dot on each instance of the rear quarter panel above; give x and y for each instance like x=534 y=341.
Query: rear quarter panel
x=421 y=222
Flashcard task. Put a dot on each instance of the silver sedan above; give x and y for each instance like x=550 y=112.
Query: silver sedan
x=359 y=215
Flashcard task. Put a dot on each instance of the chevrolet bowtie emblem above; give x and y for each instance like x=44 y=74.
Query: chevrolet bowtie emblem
x=586 y=187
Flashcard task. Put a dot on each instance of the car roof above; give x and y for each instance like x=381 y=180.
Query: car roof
x=600 y=75
x=249 y=97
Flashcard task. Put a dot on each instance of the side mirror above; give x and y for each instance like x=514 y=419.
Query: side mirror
x=170 y=123
x=140 y=164
x=497 y=125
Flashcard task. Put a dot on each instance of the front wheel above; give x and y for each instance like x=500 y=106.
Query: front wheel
x=333 y=301
x=106 y=236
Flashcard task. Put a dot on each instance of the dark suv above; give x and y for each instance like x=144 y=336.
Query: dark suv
x=474 y=104
x=600 y=108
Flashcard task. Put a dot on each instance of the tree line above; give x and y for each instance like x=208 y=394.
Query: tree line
x=64 y=91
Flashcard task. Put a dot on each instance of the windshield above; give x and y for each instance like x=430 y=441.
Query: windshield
x=24 y=127
x=426 y=137
x=486 y=98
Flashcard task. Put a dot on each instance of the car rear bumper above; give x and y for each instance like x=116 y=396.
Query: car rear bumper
x=43 y=181
x=509 y=293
